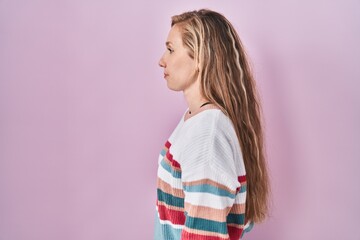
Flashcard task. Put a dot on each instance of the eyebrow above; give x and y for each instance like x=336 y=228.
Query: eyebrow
x=168 y=44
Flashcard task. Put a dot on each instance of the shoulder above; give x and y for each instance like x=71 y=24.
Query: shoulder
x=210 y=146
x=209 y=125
x=209 y=120
x=208 y=134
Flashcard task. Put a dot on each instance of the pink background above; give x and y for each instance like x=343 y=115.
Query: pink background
x=84 y=112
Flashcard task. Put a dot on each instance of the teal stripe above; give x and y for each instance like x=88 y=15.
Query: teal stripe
x=163 y=152
x=170 y=199
x=242 y=189
x=167 y=167
x=236 y=218
x=206 y=225
x=209 y=189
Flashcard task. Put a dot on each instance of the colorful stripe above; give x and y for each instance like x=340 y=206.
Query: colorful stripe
x=167 y=188
x=206 y=225
x=175 y=173
x=209 y=186
x=174 y=216
x=235 y=232
x=170 y=199
x=242 y=181
x=212 y=211
x=238 y=219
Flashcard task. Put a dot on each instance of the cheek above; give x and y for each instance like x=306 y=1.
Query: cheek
x=186 y=73
x=175 y=64
x=189 y=68
x=181 y=68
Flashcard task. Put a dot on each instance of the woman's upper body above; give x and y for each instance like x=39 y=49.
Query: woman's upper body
x=201 y=186
x=212 y=178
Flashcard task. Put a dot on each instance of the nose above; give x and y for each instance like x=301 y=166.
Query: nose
x=162 y=63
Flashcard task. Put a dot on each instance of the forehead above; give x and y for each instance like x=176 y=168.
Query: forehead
x=174 y=36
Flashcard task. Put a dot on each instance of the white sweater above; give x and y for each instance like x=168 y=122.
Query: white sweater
x=202 y=181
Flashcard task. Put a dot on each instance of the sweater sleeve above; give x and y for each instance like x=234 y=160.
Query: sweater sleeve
x=210 y=185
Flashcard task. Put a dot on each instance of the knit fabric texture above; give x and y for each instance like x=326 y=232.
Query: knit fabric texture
x=201 y=184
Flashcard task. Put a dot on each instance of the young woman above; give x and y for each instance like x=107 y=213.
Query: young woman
x=212 y=176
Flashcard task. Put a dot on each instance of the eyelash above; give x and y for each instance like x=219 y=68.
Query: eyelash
x=170 y=50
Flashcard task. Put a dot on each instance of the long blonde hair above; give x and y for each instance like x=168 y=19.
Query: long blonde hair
x=227 y=81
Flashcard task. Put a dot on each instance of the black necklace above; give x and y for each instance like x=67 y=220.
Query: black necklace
x=201 y=106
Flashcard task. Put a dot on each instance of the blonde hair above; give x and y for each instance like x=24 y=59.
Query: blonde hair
x=227 y=81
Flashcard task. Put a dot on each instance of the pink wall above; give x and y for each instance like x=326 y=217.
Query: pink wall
x=84 y=112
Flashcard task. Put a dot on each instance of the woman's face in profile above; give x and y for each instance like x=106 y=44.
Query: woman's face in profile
x=179 y=67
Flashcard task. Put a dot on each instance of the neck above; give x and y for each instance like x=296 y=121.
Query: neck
x=194 y=97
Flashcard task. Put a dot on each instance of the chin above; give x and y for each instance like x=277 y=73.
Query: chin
x=174 y=88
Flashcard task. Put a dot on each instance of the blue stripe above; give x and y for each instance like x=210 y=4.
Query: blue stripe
x=236 y=218
x=170 y=199
x=242 y=188
x=167 y=167
x=209 y=189
x=206 y=225
x=163 y=152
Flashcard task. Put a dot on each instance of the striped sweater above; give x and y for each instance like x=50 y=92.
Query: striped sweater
x=201 y=184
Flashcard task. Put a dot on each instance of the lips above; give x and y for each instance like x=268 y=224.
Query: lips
x=165 y=75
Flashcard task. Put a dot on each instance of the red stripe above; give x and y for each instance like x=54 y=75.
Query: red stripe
x=174 y=216
x=167 y=144
x=173 y=162
x=234 y=232
x=176 y=164
x=242 y=178
x=191 y=236
x=169 y=156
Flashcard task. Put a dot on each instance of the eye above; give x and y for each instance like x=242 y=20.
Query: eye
x=170 y=50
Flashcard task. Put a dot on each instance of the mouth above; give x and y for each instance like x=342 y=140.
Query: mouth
x=165 y=75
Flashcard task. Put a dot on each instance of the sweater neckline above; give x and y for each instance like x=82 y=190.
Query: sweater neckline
x=197 y=114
